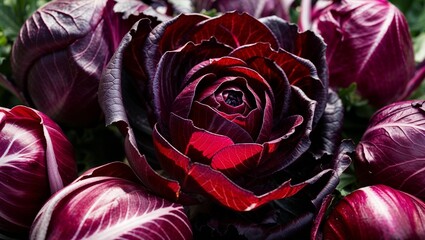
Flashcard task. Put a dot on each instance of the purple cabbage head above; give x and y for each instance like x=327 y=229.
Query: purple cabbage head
x=368 y=43
x=36 y=160
x=108 y=203
x=61 y=50
x=262 y=8
x=376 y=212
x=391 y=151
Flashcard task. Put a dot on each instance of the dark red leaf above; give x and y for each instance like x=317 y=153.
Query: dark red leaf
x=194 y=142
x=226 y=29
x=221 y=188
x=237 y=159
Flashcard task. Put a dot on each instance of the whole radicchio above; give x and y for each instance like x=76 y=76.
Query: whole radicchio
x=61 y=50
x=391 y=152
x=239 y=111
x=369 y=44
x=36 y=160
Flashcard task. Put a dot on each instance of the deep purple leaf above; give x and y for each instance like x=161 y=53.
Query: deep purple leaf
x=304 y=44
x=172 y=33
x=226 y=31
x=390 y=151
x=368 y=43
x=62 y=49
x=327 y=134
x=167 y=81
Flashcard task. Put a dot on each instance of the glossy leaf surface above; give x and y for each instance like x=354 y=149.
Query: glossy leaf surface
x=391 y=150
x=36 y=160
x=105 y=203
x=376 y=212
x=369 y=43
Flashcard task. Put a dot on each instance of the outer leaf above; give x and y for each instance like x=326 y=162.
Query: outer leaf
x=376 y=212
x=103 y=207
x=211 y=182
x=36 y=160
x=227 y=31
x=172 y=37
x=195 y=142
x=328 y=132
x=219 y=187
x=391 y=150
x=115 y=113
x=59 y=152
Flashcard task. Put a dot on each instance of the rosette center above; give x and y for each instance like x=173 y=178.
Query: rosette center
x=232 y=97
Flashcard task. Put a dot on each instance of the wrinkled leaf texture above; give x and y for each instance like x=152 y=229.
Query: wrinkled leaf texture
x=368 y=43
x=60 y=52
x=391 y=151
x=107 y=203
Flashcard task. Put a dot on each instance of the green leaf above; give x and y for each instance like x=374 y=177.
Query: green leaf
x=403 y=5
x=8 y=21
x=419 y=47
x=350 y=97
x=211 y=13
x=5 y=47
x=13 y=14
x=347 y=182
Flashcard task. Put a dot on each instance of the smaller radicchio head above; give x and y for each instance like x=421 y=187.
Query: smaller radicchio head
x=375 y=212
x=61 y=50
x=391 y=150
x=108 y=202
x=369 y=44
x=36 y=160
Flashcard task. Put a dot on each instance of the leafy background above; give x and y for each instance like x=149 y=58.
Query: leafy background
x=101 y=144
